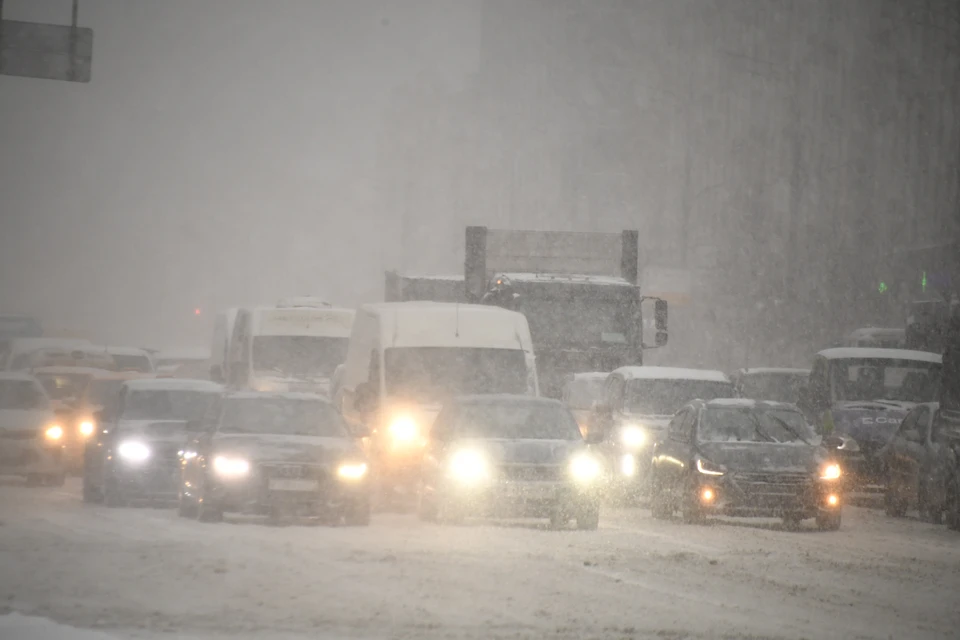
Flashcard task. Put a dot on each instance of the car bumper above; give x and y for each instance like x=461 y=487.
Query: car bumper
x=160 y=482
x=519 y=499
x=30 y=456
x=261 y=496
x=734 y=498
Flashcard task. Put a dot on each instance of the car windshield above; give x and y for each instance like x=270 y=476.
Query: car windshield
x=282 y=416
x=749 y=424
x=578 y=320
x=310 y=356
x=516 y=420
x=430 y=374
x=64 y=386
x=166 y=404
x=22 y=395
x=665 y=397
x=581 y=394
x=132 y=363
x=864 y=379
x=773 y=387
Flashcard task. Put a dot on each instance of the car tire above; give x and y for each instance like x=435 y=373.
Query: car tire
x=895 y=506
x=829 y=521
x=588 y=518
x=559 y=519
x=660 y=506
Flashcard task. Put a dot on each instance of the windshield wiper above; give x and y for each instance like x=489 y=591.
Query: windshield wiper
x=759 y=429
x=785 y=425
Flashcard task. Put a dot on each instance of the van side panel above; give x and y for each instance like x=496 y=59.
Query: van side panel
x=363 y=339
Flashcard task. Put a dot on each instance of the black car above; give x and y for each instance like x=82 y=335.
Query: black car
x=509 y=456
x=134 y=452
x=274 y=454
x=745 y=458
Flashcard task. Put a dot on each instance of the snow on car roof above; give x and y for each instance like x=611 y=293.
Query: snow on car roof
x=566 y=277
x=886 y=354
x=173 y=384
x=671 y=373
x=783 y=370
x=749 y=404
x=279 y=395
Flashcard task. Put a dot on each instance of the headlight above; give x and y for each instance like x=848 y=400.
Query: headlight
x=585 y=468
x=708 y=468
x=830 y=472
x=53 y=432
x=186 y=454
x=231 y=466
x=469 y=466
x=86 y=428
x=633 y=437
x=403 y=430
x=352 y=471
x=133 y=451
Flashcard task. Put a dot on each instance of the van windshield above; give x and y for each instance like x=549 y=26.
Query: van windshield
x=299 y=356
x=431 y=374
x=864 y=379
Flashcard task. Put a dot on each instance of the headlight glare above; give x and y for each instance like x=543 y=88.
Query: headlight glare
x=708 y=468
x=585 y=468
x=633 y=436
x=830 y=472
x=226 y=466
x=403 y=430
x=133 y=451
x=469 y=466
x=53 y=432
x=86 y=428
x=352 y=470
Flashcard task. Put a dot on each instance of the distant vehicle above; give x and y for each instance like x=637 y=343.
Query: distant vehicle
x=170 y=361
x=509 y=456
x=64 y=385
x=19 y=350
x=86 y=356
x=288 y=348
x=406 y=359
x=581 y=392
x=770 y=383
x=274 y=454
x=135 y=451
x=220 y=349
x=864 y=394
x=31 y=436
x=131 y=359
x=745 y=458
x=919 y=461
x=877 y=338
x=12 y=327
x=637 y=404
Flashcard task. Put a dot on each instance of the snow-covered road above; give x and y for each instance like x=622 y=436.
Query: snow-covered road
x=143 y=573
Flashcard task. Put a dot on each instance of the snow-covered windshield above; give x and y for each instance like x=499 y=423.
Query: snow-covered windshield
x=774 y=387
x=515 y=420
x=578 y=320
x=743 y=424
x=581 y=394
x=281 y=416
x=166 y=404
x=22 y=395
x=665 y=397
x=64 y=386
x=430 y=374
x=865 y=379
x=299 y=356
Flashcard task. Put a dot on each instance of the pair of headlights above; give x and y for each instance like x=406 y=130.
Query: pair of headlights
x=55 y=432
x=231 y=467
x=829 y=471
x=472 y=467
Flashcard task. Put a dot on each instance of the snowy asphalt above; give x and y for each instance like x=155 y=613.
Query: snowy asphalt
x=145 y=573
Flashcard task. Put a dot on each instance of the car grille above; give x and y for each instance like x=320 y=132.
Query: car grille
x=293 y=471
x=532 y=473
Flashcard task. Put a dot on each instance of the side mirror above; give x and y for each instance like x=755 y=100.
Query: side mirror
x=660 y=318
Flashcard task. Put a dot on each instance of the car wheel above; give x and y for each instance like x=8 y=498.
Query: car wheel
x=358 y=515
x=588 y=518
x=894 y=505
x=91 y=494
x=660 y=506
x=829 y=521
x=113 y=495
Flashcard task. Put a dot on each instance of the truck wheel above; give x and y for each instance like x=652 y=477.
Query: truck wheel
x=791 y=522
x=932 y=513
x=829 y=521
x=588 y=519
x=559 y=519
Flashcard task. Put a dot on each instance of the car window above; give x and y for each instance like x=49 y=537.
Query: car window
x=675 y=428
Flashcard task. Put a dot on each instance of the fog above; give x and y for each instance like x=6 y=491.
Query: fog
x=232 y=152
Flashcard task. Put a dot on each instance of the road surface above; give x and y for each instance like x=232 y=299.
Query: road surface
x=145 y=573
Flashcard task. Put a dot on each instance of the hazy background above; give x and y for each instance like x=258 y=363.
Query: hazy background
x=231 y=152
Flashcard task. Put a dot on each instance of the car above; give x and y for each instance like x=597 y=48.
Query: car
x=131 y=359
x=31 y=438
x=740 y=457
x=918 y=461
x=637 y=404
x=509 y=456
x=275 y=454
x=134 y=453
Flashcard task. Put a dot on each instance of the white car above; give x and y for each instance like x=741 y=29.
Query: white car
x=31 y=440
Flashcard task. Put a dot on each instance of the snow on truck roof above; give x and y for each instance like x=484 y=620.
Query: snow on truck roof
x=173 y=384
x=855 y=353
x=124 y=351
x=671 y=373
x=449 y=324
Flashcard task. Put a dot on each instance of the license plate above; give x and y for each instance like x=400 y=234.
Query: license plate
x=530 y=491
x=293 y=484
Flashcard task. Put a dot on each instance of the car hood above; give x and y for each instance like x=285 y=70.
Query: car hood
x=869 y=423
x=280 y=448
x=14 y=420
x=765 y=457
x=504 y=451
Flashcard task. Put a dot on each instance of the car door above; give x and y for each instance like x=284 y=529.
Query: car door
x=673 y=452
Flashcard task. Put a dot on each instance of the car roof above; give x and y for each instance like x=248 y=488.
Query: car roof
x=747 y=403
x=590 y=376
x=274 y=395
x=172 y=384
x=506 y=398
x=885 y=354
x=773 y=370
x=671 y=373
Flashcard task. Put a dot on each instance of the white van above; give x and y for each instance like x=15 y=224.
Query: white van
x=220 y=350
x=287 y=348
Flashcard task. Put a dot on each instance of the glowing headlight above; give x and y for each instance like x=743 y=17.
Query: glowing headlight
x=231 y=466
x=585 y=468
x=628 y=465
x=352 y=471
x=133 y=451
x=830 y=472
x=187 y=454
x=633 y=437
x=708 y=468
x=86 y=428
x=403 y=430
x=53 y=432
x=469 y=466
